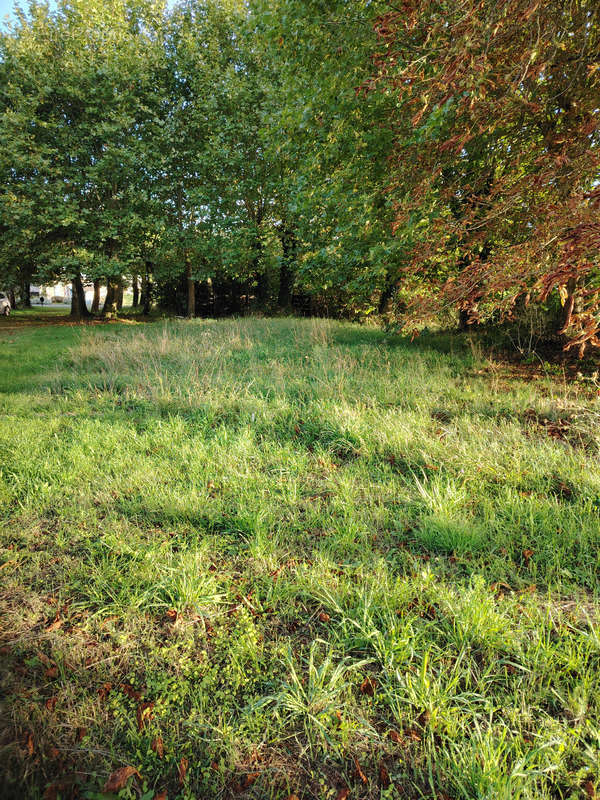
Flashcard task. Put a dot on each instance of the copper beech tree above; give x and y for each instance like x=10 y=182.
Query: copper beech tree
x=495 y=167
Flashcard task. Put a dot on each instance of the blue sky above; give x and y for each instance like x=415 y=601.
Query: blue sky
x=7 y=6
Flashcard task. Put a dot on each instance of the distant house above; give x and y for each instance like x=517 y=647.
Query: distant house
x=61 y=293
x=57 y=293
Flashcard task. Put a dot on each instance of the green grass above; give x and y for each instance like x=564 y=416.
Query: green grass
x=261 y=558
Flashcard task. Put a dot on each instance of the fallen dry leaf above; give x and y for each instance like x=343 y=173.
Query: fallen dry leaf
x=81 y=733
x=158 y=746
x=323 y=617
x=248 y=780
x=342 y=794
x=590 y=790
x=119 y=779
x=160 y=796
x=527 y=554
x=54 y=626
x=51 y=673
x=182 y=769
x=104 y=691
x=51 y=703
x=395 y=737
x=359 y=773
x=384 y=776
x=143 y=714
x=368 y=686
x=128 y=689
x=29 y=743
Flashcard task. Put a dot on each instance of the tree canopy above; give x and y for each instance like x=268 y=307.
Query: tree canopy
x=422 y=159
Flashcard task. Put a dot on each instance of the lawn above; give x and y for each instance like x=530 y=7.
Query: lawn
x=265 y=558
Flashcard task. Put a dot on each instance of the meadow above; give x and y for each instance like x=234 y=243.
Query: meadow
x=294 y=558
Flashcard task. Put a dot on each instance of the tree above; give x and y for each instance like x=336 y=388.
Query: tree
x=75 y=96
x=495 y=163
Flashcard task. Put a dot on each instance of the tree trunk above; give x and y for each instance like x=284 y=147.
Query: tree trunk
x=387 y=295
x=11 y=298
x=26 y=294
x=286 y=269
x=110 y=301
x=119 y=294
x=569 y=305
x=96 y=300
x=262 y=288
x=191 y=290
x=463 y=320
x=79 y=309
x=146 y=290
x=136 y=291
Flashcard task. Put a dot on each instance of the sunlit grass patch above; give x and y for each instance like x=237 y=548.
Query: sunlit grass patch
x=301 y=555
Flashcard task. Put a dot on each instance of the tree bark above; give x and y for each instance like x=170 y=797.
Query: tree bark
x=191 y=290
x=146 y=289
x=463 y=320
x=26 y=294
x=387 y=295
x=136 y=291
x=11 y=298
x=569 y=306
x=286 y=269
x=286 y=280
x=119 y=295
x=110 y=301
x=79 y=309
x=96 y=301
x=262 y=287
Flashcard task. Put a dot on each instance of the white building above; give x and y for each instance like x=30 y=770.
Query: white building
x=61 y=293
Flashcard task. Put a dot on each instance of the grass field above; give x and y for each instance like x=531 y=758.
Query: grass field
x=259 y=558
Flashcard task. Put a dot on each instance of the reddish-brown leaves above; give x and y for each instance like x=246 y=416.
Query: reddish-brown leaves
x=29 y=743
x=54 y=626
x=128 y=690
x=590 y=790
x=104 y=691
x=343 y=794
x=368 y=686
x=143 y=714
x=158 y=746
x=245 y=782
x=51 y=703
x=384 y=776
x=535 y=210
x=182 y=769
x=160 y=796
x=359 y=773
x=119 y=779
x=248 y=780
x=323 y=617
